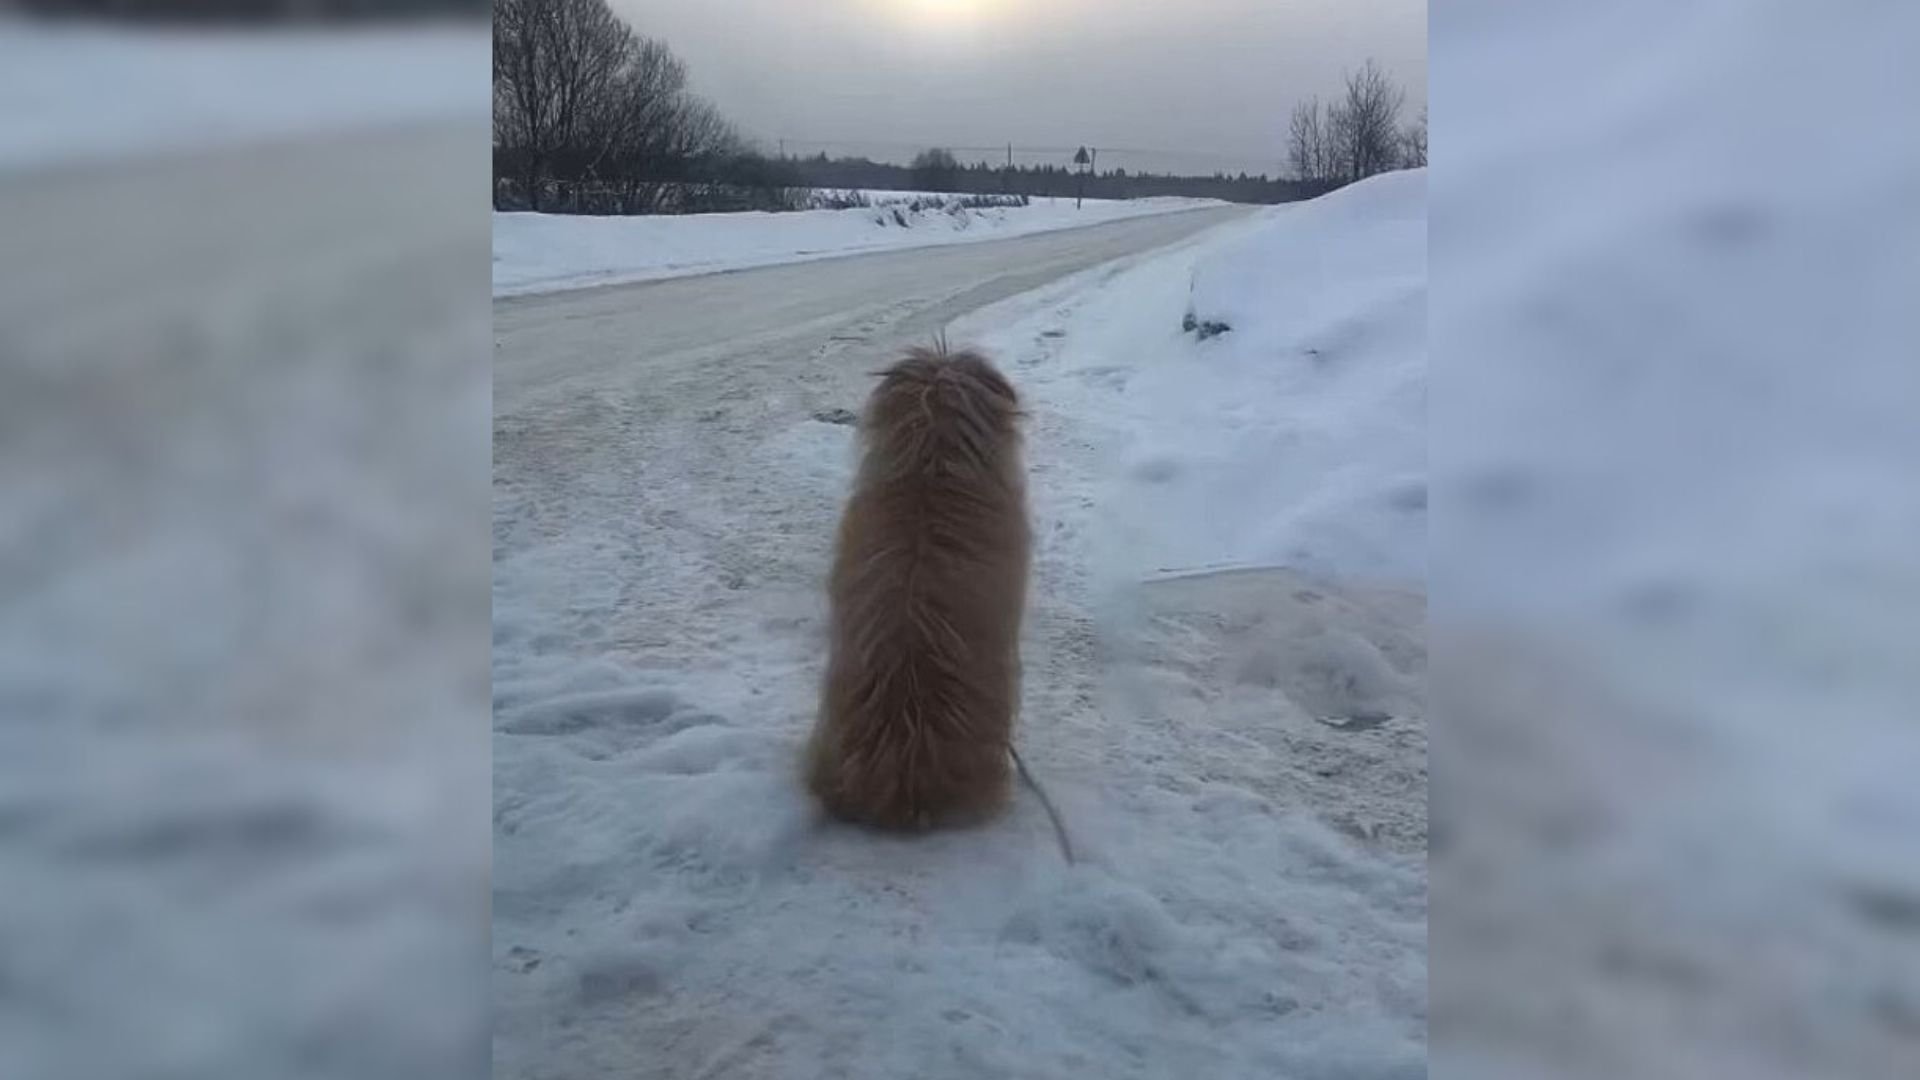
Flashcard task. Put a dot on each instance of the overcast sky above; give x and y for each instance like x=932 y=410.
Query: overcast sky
x=1209 y=81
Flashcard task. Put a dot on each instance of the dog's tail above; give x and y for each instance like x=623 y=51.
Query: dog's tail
x=1059 y=828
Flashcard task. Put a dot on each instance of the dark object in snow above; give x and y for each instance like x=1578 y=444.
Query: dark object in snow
x=1409 y=498
x=1657 y=602
x=835 y=416
x=1206 y=328
x=1730 y=226
x=1500 y=489
x=1364 y=720
x=1886 y=905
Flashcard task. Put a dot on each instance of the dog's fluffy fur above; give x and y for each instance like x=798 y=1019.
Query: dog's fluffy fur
x=928 y=585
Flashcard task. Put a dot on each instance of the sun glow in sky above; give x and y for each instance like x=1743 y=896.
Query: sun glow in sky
x=942 y=14
x=1159 y=85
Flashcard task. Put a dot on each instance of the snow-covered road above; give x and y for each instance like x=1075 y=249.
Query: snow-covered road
x=669 y=465
x=539 y=253
x=848 y=311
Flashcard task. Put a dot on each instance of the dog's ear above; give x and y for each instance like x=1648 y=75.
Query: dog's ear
x=989 y=378
x=999 y=386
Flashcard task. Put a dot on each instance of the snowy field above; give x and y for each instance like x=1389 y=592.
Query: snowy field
x=1674 y=544
x=1228 y=706
x=78 y=93
x=548 y=252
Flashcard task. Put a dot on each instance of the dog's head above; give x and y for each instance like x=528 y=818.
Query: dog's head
x=932 y=391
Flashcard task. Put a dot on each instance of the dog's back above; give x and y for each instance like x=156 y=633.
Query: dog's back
x=928 y=585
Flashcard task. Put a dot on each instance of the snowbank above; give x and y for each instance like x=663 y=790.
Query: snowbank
x=1297 y=436
x=549 y=252
x=1322 y=266
x=81 y=92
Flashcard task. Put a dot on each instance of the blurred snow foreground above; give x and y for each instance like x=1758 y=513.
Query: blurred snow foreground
x=1676 y=529
x=1224 y=691
x=243 y=555
x=72 y=93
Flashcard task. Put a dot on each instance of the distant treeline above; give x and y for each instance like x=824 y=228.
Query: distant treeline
x=935 y=170
x=719 y=175
x=731 y=178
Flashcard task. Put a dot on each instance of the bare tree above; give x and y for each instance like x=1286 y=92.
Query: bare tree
x=646 y=128
x=1307 y=149
x=554 y=63
x=1365 y=124
x=1413 y=142
x=580 y=97
x=674 y=159
x=635 y=113
x=935 y=170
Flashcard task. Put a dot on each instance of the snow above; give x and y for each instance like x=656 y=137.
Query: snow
x=1674 y=537
x=894 y=195
x=1238 y=752
x=1299 y=435
x=550 y=252
x=244 y=508
x=80 y=92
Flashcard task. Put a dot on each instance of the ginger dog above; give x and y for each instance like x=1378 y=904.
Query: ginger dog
x=928 y=585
